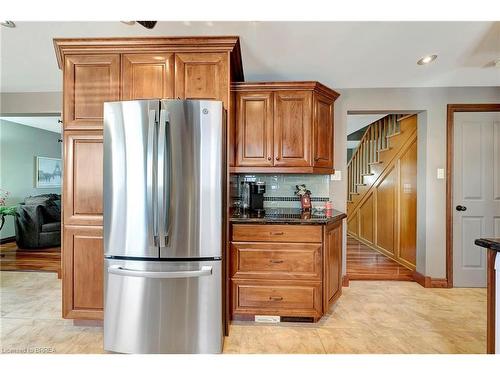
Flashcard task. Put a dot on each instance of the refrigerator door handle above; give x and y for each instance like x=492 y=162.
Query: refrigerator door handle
x=121 y=271
x=163 y=198
x=151 y=177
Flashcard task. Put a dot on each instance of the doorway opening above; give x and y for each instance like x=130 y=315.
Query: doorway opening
x=30 y=193
x=382 y=195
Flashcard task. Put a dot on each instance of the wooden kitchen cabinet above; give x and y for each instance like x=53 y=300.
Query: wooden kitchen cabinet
x=285 y=269
x=82 y=272
x=147 y=75
x=96 y=70
x=202 y=76
x=322 y=133
x=292 y=128
x=283 y=127
x=332 y=253
x=254 y=134
x=89 y=81
x=83 y=177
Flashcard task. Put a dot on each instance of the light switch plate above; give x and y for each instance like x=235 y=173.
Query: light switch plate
x=337 y=176
x=440 y=173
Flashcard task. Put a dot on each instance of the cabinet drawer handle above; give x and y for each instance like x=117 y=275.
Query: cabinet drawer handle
x=316 y=159
x=277 y=158
x=269 y=158
x=271 y=298
x=276 y=260
x=277 y=233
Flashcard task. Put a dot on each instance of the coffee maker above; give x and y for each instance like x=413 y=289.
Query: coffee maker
x=253 y=195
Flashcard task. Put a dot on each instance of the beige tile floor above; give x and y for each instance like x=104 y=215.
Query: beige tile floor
x=370 y=317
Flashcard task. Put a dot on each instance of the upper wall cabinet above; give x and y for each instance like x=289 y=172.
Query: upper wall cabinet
x=202 y=76
x=97 y=70
x=89 y=81
x=283 y=127
x=292 y=128
x=254 y=134
x=147 y=75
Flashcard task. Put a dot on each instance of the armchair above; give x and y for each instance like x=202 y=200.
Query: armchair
x=38 y=222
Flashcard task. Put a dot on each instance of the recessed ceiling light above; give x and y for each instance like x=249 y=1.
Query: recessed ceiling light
x=8 y=24
x=427 y=59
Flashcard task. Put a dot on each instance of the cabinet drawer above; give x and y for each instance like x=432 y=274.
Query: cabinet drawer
x=276 y=233
x=276 y=260
x=276 y=298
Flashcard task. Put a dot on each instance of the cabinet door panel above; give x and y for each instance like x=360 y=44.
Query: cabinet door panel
x=254 y=129
x=292 y=128
x=83 y=177
x=147 y=76
x=332 y=284
x=89 y=81
x=323 y=133
x=202 y=76
x=83 y=272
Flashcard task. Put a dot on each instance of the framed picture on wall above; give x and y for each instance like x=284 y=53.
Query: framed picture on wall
x=48 y=172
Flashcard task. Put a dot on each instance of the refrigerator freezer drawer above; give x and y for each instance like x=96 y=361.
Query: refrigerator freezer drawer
x=163 y=307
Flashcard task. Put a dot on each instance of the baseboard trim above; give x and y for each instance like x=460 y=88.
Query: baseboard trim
x=429 y=282
x=7 y=240
x=345 y=281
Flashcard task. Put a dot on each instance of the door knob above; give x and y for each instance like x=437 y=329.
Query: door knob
x=269 y=158
x=461 y=208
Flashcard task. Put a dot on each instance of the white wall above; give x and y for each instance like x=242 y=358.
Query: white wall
x=433 y=101
x=19 y=147
x=30 y=102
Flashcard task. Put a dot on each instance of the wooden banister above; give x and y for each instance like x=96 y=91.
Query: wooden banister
x=374 y=139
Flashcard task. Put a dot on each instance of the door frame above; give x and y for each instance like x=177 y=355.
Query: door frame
x=451 y=110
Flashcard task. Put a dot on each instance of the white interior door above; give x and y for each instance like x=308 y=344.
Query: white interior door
x=476 y=193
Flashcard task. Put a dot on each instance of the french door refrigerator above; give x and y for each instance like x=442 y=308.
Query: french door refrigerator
x=163 y=226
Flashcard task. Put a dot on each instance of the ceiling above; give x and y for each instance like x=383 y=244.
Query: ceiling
x=339 y=54
x=42 y=122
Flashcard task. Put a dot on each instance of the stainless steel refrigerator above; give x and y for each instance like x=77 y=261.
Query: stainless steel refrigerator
x=163 y=162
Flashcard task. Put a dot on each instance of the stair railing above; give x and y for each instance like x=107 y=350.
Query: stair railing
x=375 y=139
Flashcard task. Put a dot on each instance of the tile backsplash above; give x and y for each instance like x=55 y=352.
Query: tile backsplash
x=280 y=188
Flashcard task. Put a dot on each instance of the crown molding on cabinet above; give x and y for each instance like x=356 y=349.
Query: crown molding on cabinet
x=231 y=44
x=285 y=86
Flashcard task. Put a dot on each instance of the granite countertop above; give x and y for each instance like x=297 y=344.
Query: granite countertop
x=285 y=216
x=490 y=243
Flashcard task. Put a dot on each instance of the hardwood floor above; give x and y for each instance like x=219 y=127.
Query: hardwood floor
x=364 y=263
x=14 y=259
x=369 y=317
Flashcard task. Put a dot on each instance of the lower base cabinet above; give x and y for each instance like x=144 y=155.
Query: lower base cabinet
x=83 y=272
x=297 y=277
x=297 y=299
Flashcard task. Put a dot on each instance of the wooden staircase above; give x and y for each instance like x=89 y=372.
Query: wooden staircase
x=381 y=206
x=378 y=147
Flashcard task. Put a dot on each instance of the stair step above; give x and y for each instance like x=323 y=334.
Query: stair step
x=360 y=184
x=367 y=174
x=385 y=149
x=375 y=162
x=353 y=193
x=393 y=135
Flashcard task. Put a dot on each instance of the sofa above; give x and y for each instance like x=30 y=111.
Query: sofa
x=38 y=222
